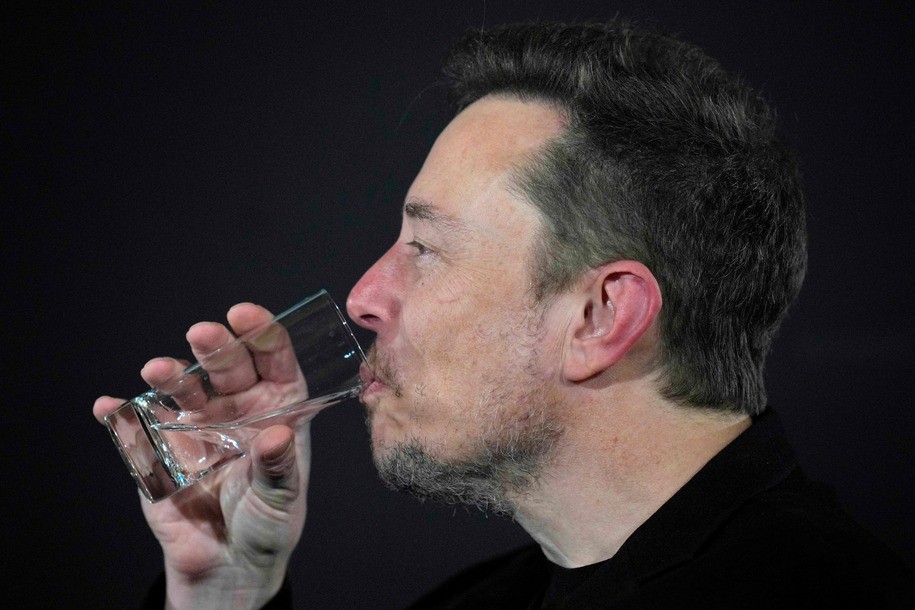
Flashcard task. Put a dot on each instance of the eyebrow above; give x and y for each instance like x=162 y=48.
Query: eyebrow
x=420 y=209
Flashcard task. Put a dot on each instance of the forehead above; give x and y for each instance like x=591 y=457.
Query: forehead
x=468 y=172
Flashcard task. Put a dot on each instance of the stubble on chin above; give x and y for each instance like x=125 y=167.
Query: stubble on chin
x=505 y=462
x=517 y=431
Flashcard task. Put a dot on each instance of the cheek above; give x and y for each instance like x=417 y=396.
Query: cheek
x=426 y=333
x=443 y=344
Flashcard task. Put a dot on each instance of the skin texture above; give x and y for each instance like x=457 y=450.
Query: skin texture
x=466 y=360
x=463 y=359
x=559 y=398
x=227 y=539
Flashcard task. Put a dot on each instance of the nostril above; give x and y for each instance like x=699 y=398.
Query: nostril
x=369 y=319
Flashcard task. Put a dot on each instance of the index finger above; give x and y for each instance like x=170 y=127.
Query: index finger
x=228 y=364
x=105 y=405
x=272 y=350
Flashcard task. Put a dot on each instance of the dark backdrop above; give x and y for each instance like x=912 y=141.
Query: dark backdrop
x=169 y=161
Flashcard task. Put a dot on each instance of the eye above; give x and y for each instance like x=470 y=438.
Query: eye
x=420 y=248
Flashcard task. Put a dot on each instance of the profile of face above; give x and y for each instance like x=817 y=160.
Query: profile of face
x=459 y=400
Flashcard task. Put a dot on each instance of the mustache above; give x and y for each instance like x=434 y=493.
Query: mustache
x=383 y=369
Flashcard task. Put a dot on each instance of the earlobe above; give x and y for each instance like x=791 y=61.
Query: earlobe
x=619 y=304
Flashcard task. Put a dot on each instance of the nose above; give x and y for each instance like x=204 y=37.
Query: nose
x=373 y=302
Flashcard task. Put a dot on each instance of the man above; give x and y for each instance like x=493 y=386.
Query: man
x=571 y=329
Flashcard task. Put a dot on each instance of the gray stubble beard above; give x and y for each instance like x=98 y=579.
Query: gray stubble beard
x=506 y=463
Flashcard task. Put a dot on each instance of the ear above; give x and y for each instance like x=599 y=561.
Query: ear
x=618 y=304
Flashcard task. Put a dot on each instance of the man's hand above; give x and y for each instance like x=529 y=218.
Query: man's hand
x=228 y=538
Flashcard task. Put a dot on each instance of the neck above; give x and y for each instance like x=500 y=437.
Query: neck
x=615 y=466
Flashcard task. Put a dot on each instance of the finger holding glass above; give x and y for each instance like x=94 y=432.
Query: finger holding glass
x=227 y=539
x=196 y=420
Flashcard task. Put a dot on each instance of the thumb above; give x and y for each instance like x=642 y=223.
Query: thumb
x=275 y=476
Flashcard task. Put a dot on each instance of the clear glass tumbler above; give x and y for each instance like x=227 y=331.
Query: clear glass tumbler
x=303 y=360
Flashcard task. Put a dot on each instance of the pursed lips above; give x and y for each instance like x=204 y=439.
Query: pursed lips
x=370 y=381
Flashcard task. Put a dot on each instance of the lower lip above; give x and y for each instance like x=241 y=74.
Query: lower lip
x=373 y=388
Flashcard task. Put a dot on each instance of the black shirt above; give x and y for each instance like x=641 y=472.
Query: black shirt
x=749 y=530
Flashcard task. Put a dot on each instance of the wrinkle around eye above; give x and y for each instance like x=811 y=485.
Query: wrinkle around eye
x=421 y=256
x=420 y=248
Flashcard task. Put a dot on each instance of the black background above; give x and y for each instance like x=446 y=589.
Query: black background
x=169 y=161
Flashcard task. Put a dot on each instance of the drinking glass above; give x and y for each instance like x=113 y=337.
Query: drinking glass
x=187 y=427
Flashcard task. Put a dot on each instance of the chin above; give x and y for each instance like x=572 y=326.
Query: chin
x=379 y=432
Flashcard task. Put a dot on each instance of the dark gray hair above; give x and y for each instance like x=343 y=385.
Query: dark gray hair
x=667 y=160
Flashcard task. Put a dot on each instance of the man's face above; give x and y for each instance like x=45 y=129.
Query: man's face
x=461 y=369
